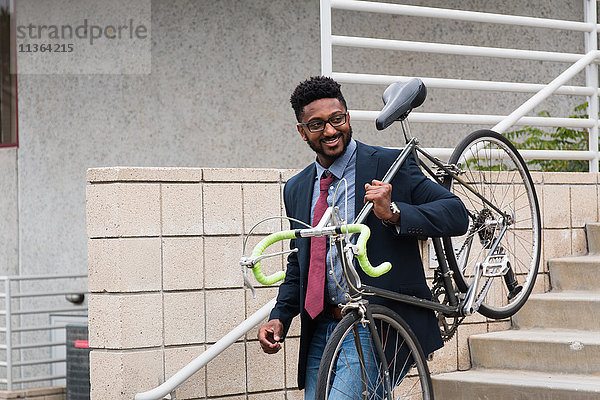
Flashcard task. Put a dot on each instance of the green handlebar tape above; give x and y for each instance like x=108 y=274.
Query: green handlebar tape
x=361 y=243
x=260 y=247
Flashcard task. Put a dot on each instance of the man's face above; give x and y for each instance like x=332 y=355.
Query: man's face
x=332 y=141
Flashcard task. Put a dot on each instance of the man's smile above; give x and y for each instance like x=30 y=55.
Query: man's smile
x=332 y=141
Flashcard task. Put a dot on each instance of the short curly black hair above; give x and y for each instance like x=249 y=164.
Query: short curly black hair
x=315 y=88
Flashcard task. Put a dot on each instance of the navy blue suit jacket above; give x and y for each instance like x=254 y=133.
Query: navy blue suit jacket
x=427 y=209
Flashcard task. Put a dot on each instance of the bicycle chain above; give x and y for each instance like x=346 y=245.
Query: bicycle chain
x=475 y=228
x=479 y=228
x=447 y=324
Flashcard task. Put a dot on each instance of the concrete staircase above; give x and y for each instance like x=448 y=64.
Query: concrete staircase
x=552 y=353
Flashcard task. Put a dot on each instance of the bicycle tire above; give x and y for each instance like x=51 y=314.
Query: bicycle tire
x=408 y=369
x=494 y=168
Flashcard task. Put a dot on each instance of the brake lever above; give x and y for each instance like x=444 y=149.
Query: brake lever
x=249 y=262
x=247 y=281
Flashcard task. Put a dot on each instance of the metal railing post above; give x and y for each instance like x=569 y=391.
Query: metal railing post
x=591 y=80
x=326 y=52
x=22 y=369
x=7 y=299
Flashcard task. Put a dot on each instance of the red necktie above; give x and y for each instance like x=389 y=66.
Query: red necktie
x=318 y=251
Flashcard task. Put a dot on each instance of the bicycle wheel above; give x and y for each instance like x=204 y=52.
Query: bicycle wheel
x=348 y=371
x=493 y=168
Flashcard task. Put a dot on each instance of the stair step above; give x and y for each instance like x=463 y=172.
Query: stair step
x=550 y=350
x=592 y=233
x=515 y=384
x=575 y=273
x=559 y=331
x=562 y=310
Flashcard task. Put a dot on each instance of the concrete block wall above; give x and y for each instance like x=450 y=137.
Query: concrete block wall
x=165 y=283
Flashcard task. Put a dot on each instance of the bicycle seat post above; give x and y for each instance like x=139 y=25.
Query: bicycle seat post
x=406 y=130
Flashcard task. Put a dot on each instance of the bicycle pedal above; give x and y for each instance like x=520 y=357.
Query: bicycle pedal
x=495 y=266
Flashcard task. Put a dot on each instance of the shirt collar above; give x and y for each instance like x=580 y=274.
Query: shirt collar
x=339 y=165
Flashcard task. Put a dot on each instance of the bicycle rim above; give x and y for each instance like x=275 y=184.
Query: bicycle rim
x=493 y=168
x=409 y=374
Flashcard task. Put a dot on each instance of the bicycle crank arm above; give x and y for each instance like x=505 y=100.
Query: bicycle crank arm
x=469 y=308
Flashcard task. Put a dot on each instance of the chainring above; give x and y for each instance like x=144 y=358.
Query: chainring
x=447 y=324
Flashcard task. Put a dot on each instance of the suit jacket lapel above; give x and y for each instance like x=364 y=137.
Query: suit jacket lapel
x=303 y=203
x=305 y=198
x=366 y=171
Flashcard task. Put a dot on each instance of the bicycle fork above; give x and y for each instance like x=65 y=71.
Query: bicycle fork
x=367 y=319
x=386 y=372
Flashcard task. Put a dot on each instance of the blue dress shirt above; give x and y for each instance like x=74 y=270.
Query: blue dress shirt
x=344 y=167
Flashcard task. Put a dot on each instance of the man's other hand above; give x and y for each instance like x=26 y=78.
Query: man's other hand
x=269 y=335
x=380 y=193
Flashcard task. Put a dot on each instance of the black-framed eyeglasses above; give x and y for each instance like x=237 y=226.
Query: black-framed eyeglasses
x=318 y=125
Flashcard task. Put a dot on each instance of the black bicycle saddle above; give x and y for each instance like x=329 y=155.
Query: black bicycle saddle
x=399 y=99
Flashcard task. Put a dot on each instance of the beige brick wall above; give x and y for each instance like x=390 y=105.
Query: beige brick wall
x=165 y=283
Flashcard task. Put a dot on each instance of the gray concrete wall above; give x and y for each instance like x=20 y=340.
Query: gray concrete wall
x=9 y=234
x=218 y=95
x=221 y=77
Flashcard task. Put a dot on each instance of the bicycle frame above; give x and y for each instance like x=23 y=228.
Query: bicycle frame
x=357 y=289
x=455 y=308
x=412 y=147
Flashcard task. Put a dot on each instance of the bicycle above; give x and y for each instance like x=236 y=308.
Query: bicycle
x=503 y=241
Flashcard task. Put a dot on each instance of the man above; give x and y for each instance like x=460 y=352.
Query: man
x=411 y=205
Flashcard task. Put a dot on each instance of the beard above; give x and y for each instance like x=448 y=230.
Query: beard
x=318 y=148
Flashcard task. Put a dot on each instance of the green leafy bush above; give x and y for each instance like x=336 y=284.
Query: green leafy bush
x=533 y=138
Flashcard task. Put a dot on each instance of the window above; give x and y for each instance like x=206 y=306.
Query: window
x=8 y=79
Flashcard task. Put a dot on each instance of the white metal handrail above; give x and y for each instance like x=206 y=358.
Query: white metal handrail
x=516 y=115
x=459 y=15
x=164 y=390
x=361 y=115
x=466 y=84
x=452 y=49
x=502 y=123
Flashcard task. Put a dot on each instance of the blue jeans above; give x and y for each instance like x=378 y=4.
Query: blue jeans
x=347 y=382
